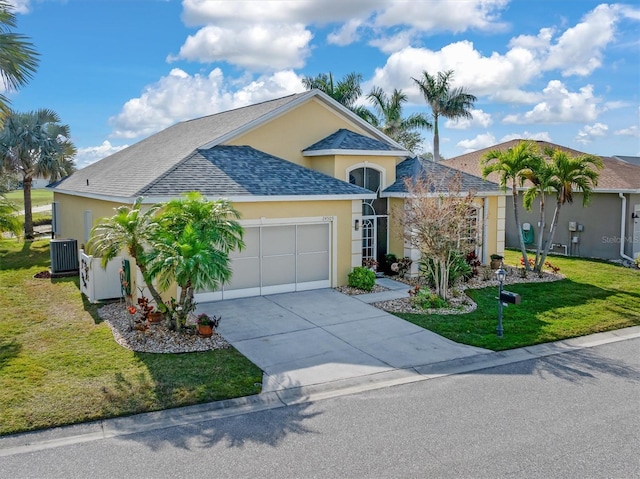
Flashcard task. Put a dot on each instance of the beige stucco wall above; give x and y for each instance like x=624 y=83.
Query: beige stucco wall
x=72 y=209
x=287 y=135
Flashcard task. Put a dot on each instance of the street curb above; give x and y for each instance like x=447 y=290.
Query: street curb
x=151 y=421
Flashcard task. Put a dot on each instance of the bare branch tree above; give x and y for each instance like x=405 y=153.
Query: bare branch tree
x=438 y=221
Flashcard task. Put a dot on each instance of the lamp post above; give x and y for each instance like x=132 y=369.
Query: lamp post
x=501 y=274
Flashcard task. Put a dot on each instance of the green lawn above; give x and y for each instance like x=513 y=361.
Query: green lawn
x=596 y=296
x=60 y=365
x=39 y=197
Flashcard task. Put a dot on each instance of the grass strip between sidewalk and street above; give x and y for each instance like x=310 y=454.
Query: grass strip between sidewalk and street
x=596 y=296
x=59 y=363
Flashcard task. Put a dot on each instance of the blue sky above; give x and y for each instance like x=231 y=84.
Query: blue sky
x=119 y=70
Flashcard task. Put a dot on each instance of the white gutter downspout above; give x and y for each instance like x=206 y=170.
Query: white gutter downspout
x=485 y=223
x=623 y=227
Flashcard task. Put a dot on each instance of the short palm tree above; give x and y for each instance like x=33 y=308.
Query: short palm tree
x=389 y=119
x=8 y=219
x=567 y=175
x=540 y=181
x=345 y=91
x=35 y=144
x=444 y=101
x=511 y=165
x=18 y=58
x=192 y=246
x=130 y=230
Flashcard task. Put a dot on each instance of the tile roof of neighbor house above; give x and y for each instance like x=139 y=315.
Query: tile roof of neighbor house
x=348 y=140
x=243 y=171
x=415 y=167
x=617 y=175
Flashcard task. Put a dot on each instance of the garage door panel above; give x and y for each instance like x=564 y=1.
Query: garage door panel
x=313 y=267
x=278 y=270
x=252 y=244
x=313 y=238
x=277 y=240
x=246 y=274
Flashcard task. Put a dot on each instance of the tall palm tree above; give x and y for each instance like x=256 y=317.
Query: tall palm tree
x=18 y=58
x=130 y=229
x=192 y=246
x=345 y=91
x=35 y=144
x=568 y=174
x=392 y=123
x=444 y=101
x=511 y=165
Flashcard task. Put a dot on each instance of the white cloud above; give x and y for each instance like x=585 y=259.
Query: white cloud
x=347 y=34
x=180 y=96
x=21 y=6
x=481 y=141
x=632 y=131
x=439 y=15
x=480 y=119
x=258 y=47
x=559 y=105
x=91 y=154
x=589 y=132
x=525 y=135
x=579 y=49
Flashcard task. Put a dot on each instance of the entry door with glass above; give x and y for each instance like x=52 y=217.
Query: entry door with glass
x=375 y=217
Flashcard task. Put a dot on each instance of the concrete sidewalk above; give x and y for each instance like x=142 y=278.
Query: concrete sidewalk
x=320 y=336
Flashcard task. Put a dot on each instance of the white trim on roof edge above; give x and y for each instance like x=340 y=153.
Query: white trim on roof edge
x=233 y=199
x=355 y=152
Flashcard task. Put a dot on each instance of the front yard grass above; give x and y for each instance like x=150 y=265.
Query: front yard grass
x=59 y=363
x=39 y=197
x=596 y=296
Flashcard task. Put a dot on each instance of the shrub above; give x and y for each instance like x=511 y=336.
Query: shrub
x=474 y=262
x=459 y=269
x=428 y=300
x=388 y=260
x=362 y=278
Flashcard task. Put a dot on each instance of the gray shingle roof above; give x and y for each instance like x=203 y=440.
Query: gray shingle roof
x=348 y=140
x=415 y=167
x=233 y=171
x=131 y=170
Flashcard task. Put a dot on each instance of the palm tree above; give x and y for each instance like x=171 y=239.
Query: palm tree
x=511 y=165
x=130 y=229
x=568 y=174
x=390 y=120
x=345 y=91
x=540 y=179
x=35 y=144
x=192 y=246
x=18 y=59
x=444 y=101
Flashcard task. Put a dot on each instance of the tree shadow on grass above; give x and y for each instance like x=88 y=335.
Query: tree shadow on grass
x=203 y=425
x=8 y=350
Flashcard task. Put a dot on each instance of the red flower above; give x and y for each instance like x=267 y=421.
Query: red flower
x=132 y=309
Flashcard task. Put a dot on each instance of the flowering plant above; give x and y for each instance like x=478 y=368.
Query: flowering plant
x=203 y=319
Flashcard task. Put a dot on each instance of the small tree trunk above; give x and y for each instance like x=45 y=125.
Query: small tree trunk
x=552 y=232
x=28 y=213
x=538 y=263
x=523 y=249
x=152 y=290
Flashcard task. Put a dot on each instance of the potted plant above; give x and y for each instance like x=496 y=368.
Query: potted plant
x=206 y=324
x=496 y=261
x=154 y=316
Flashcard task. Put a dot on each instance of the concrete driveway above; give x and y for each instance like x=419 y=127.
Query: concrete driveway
x=314 y=337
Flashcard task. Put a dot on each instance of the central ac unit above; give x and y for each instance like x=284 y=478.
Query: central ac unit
x=64 y=255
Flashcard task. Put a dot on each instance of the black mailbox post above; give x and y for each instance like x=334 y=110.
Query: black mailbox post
x=509 y=297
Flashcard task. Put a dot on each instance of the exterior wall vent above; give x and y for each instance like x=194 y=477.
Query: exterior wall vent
x=64 y=255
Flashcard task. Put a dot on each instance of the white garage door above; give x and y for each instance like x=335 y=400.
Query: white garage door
x=278 y=259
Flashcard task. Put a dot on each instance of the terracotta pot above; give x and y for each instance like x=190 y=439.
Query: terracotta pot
x=495 y=263
x=205 y=331
x=155 y=317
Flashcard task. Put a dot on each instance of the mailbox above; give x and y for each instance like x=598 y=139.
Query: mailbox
x=509 y=297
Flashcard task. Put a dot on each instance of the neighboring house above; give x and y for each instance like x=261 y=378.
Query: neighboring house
x=608 y=227
x=307 y=175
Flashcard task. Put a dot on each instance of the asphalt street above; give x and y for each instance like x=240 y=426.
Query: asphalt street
x=565 y=415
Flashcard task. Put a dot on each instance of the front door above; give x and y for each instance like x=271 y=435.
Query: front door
x=375 y=216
